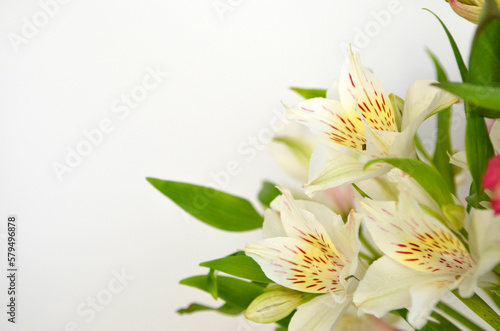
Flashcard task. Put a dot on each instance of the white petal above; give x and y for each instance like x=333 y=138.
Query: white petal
x=272 y=226
x=424 y=298
x=360 y=89
x=495 y=136
x=485 y=246
x=385 y=287
x=423 y=100
x=415 y=239
x=388 y=285
x=330 y=168
x=292 y=149
x=333 y=91
x=460 y=160
x=319 y=314
x=297 y=265
x=328 y=118
x=303 y=225
x=322 y=214
x=378 y=143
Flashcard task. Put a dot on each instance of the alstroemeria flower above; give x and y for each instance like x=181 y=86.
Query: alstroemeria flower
x=292 y=150
x=308 y=248
x=423 y=258
x=469 y=9
x=491 y=181
x=365 y=121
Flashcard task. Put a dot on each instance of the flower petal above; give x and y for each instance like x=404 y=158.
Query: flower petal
x=460 y=160
x=388 y=285
x=330 y=168
x=484 y=235
x=272 y=226
x=319 y=314
x=303 y=225
x=424 y=298
x=296 y=264
x=424 y=100
x=360 y=89
x=470 y=13
x=328 y=117
x=495 y=136
x=415 y=239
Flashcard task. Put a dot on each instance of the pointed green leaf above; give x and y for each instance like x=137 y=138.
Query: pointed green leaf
x=486 y=99
x=234 y=291
x=226 y=308
x=484 y=66
x=267 y=193
x=213 y=207
x=212 y=283
x=458 y=57
x=482 y=309
x=309 y=93
x=441 y=160
x=240 y=266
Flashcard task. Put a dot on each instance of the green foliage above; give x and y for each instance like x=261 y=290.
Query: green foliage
x=213 y=207
x=267 y=193
x=226 y=308
x=309 y=93
x=485 y=99
x=484 y=69
x=236 y=292
x=240 y=266
x=482 y=309
x=441 y=160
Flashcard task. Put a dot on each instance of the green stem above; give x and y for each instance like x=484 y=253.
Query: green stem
x=367 y=258
x=421 y=148
x=458 y=317
x=482 y=309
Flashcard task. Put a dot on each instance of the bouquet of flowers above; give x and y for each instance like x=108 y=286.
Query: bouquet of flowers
x=378 y=235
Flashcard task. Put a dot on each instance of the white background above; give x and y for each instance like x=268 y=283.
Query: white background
x=228 y=72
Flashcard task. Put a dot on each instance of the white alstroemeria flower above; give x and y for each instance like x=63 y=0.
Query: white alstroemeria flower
x=423 y=258
x=308 y=248
x=359 y=115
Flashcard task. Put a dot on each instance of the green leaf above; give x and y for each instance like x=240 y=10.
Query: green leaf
x=459 y=317
x=267 y=193
x=440 y=73
x=484 y=66
x=482 y=309
x=441 y=160
x=360 y=191
x=240 y=266
x=478 y=149
x=226 y=308
x=234 y=291
x=213 y=207
x=486 y=99
x=456 y=51
x=212 y=283
x=309 y=93
x=428 y=177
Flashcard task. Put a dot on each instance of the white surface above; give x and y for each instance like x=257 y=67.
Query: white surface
x=226 y=75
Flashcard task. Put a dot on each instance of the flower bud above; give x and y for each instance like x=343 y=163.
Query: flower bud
x=272 y=306
x=469 y=9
